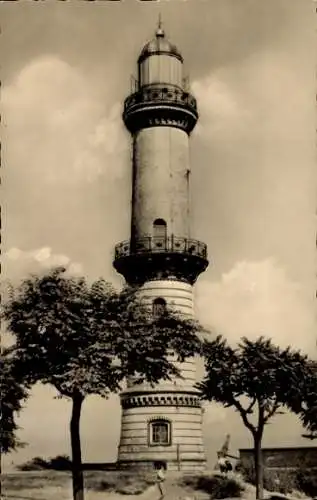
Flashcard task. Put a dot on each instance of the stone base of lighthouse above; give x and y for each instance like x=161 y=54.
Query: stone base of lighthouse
x=176 y=413
x=163 y=424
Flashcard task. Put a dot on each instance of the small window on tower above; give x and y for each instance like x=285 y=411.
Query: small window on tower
x=159 y=307
x=159 y=228
x=160 y=433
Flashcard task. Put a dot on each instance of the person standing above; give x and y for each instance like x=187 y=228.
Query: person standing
x=160 y=477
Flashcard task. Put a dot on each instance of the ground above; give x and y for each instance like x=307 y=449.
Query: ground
x=50 y=485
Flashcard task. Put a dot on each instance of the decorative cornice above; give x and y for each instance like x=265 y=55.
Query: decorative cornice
x=160 y=400
x=160 y=105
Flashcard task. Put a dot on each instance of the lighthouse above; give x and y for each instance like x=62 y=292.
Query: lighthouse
x=161 y=425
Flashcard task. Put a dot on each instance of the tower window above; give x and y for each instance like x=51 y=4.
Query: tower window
x=159 y=228
x=160 y=433
x=159 y=307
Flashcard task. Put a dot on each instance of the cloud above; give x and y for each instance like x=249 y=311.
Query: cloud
x=67 y=159
x=219 y=105
x=17 y=263
x=65 y=130
x=256 y=97
x=258 y=298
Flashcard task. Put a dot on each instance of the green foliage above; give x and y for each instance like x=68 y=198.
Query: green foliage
x=86 y=339
x=57 y=337
x=258 y=370
x=216 y=486
x=142 y=343
x=257 y=379
x=13 y=393
x=303 y=397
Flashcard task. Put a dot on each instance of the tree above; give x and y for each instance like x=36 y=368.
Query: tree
x=302 y=398
x=255 y=379
x=85 y=339
x=13 y=393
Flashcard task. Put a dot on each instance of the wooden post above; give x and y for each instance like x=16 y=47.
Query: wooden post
x=178 y=457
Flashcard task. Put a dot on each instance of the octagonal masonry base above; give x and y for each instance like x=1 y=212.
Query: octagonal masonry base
x=185 y=450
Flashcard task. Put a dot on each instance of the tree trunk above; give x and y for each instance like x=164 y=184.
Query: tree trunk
x=77 y=470
x=258 y=464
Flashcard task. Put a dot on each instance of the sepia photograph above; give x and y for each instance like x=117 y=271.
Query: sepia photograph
x=159 y=260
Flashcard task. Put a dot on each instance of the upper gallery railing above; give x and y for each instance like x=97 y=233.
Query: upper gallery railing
x=149 y=244
x=162 y=94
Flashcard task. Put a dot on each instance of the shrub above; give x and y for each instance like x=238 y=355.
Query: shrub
x=248 y=473
x=61 y=463
x=279 y=480
x=286 y=480
x=216 y=486
x=36 y=463
x=283 y=480
x=307 y=482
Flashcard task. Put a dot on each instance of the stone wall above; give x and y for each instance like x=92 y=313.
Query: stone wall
x=282 y=458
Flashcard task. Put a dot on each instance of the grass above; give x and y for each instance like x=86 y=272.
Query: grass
x=39 y=485
x=44 y=485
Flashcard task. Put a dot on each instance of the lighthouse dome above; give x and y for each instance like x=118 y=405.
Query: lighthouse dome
x=159 y=45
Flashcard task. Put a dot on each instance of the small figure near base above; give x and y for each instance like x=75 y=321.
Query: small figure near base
x=160 y=478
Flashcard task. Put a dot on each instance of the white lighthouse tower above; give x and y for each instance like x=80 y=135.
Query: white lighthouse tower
x=163 y=424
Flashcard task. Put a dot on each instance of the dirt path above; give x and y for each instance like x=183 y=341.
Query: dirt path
x=172 y=492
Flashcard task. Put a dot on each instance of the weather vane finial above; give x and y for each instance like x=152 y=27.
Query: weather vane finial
x=159 y=21
x=159 y=31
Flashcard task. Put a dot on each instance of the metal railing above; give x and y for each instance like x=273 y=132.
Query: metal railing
x=162 y=94
x=152 y=244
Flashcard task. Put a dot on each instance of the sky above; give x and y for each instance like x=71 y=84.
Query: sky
x=66 y=174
